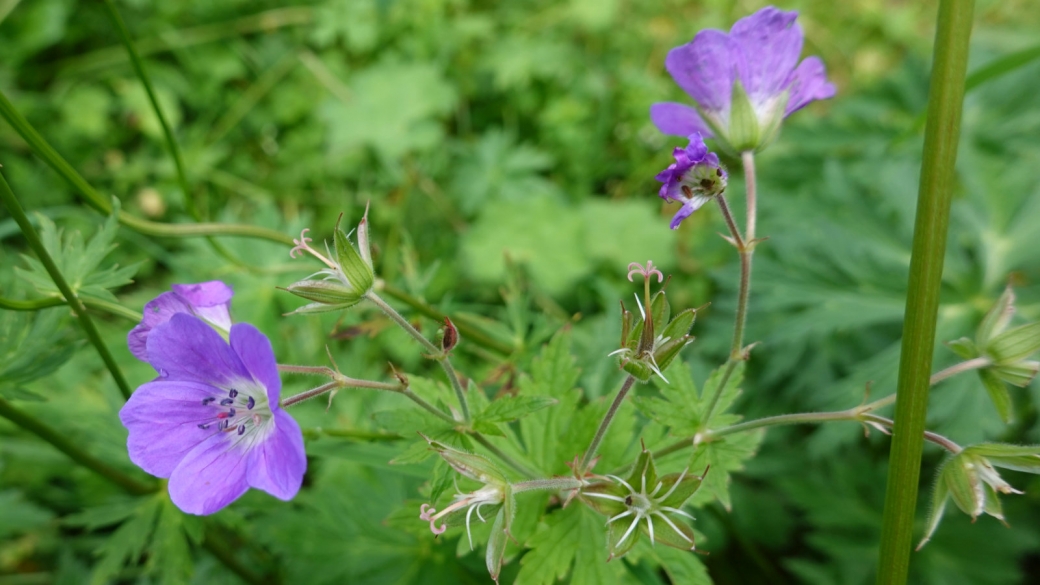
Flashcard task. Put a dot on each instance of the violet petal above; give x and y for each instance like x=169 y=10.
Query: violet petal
x=255 y=351
x=163 y=418
x=678 y=119
x=210 y=300
x=807 y=83
x=186 y=348
x=277 y=465
x=211 y=476
x=156 y=312
x=687 y=210
x=771 y=42
x=706 y=67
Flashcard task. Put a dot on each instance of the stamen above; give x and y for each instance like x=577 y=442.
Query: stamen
x=251 y=403
x=207 y=400
x=231 y=412
x=631 y=527
x=650 y=524
x=226 y=402
x=233 y=393
x=241 y=429
x=203 y=426
x=469 y=534
x=224 y=424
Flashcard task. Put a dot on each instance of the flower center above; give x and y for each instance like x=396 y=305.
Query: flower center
x=243 y=414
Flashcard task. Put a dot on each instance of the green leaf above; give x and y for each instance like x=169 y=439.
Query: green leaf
x=721 y=458
x=682 y=566
x=998 y=393
x=32 y=345
x=682 y=408
x=126 y=544
x=574 y=535
x=997 y=318
x=18 y=515
x=510 y=408
x=408 y=421
x=78 y=262
x=169 y=553
x=553 y=375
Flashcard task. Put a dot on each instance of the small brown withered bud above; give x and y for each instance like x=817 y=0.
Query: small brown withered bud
x=451 y=336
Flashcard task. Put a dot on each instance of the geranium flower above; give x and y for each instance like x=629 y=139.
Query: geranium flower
x=693 y=179
x=211 y=421
x=743 y=83
x=210 y=301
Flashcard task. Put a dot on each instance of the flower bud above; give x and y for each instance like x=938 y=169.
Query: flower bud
x=347 y=279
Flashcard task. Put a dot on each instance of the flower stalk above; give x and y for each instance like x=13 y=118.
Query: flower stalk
x=601 y=432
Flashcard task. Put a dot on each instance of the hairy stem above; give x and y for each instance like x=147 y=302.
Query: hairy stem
x=435 y=352
x=945 y=101
x=608 y=418
x=745 y=245
x=552 y=484
x=467 y=331
x=61 y=442
x=33 y=238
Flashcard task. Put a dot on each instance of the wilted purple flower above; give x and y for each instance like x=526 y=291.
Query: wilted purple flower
x=693 y=179
x=208 y=300
x=743 y=83
x=211 y=421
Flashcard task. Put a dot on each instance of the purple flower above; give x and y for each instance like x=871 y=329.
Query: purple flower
x=693 y=179
x=208 y=300
x=211 y=421
x=743 y=83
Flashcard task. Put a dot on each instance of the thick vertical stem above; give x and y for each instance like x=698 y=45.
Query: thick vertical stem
x=33 y=238
x=942 y=131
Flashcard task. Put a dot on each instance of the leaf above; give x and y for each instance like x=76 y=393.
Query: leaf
x=510 y=408
x=18 y=515
x=575 y=533
x=408 y=421
x=78 y=262
x=32 y=345
x=682 y=566
x=169 y=554
x=126 y=544
x=682 y=408
x=721 y=458
x=553 y=375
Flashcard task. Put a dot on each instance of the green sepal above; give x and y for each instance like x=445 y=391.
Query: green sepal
x=680 y=324
x=992 y=504
x=496 y=546
x=615 y=531
x=638 y=369
x=743 y=134
x=670 y=350
x=964 y=485
x=1015 y=344
x=688 y=486
x=940 y=495
x=964 y=348
x=770 y=128
x=606 y=506
x=998 y=394
x=675 y=533
x=1024 y=458
x=660 y=310
x=328 y=292
x=314 y=308
x=997 y=318
x=1020 y=374
x=470 y=465
x=359 y=274
x=644 y=474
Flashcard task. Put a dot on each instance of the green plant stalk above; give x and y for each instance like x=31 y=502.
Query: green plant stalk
x=601 y=432
x=745 y=245
x=95 y=304
x=552 y=484
x=62 y=443
x=857 y=413
x=942 y=131
x=466 y=330
x=50 y=156
x=520 y=467
x=435 y=352
x=33 y=238
x=142 y=74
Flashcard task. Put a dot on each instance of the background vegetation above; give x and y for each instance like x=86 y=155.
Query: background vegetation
x=508 y=157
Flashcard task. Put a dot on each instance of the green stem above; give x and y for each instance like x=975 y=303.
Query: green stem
x=95 y=304
x=942 y=132
x=337 y=383
x=50 y=156
x=967 y=366
x=466 y=330
x=142 y=73
x=61 y=442
x=609 y=417
x=745 y=245
x=552 y=484
x=351 y=434
x=33 y=238
x=434 y=352
x=520 y=467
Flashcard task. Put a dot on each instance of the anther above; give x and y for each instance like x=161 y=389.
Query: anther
x=251 y=403
x=204 y=426
x=231 y=412
x=207 y=400
x=233 y=393
x=241 y=429
x=226 y=402
x=224 y=424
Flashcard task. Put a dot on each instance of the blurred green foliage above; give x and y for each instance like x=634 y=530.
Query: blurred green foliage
x=508 y=157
